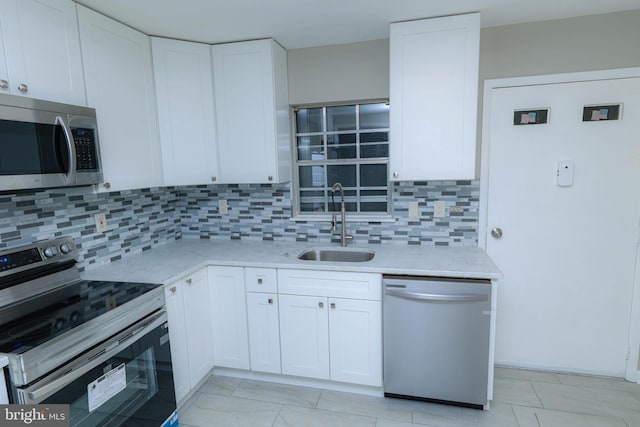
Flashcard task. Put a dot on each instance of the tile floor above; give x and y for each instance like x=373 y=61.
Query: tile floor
x=521 y=399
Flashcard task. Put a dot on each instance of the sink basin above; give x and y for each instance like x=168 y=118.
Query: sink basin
x=339 y=255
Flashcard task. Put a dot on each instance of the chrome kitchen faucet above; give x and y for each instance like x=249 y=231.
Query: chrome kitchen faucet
x=344 y=237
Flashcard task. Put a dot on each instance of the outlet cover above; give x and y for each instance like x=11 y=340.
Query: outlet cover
x=439 y=209
x=223 y=208
x=413 y=210
x=101 y=222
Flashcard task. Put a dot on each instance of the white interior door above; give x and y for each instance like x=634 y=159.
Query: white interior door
x=568 y=253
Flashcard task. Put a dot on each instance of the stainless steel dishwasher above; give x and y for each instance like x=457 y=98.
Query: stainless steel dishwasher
x=436 y=339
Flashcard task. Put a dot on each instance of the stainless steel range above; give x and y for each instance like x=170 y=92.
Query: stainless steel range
x=101 y=347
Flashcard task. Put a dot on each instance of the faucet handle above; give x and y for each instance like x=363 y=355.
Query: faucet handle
x=334 y=222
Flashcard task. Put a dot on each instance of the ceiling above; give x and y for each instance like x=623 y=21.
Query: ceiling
x=307 y=23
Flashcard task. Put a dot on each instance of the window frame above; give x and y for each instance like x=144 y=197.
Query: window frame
x=298 y=215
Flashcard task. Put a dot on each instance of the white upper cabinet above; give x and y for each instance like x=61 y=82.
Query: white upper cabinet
x=41 y=50
x=119 y=77
x=184 y=90
x=433 y=98
x=252 y=110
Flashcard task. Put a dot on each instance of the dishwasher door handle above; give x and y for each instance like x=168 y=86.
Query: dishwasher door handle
x=437 y=297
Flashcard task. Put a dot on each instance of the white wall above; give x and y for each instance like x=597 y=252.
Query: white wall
x=349 y=72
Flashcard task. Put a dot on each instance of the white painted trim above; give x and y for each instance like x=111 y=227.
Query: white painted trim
x=632 y=369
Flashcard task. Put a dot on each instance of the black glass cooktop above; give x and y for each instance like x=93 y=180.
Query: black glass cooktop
x=68 y=308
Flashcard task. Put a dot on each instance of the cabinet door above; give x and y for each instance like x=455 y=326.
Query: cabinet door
x=43 y=50
x=173 y=295
x=433 y=94
x=304 y=336
x=246 y=77
x=229 y=313
x=184 y=89
x=199 y=325
x=264 y=332
x=118 y=71
x=355 y=340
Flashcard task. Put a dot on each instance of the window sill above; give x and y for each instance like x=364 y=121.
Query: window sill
x=351 y=218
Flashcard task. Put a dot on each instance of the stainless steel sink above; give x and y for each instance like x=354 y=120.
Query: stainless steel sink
x=339 y=255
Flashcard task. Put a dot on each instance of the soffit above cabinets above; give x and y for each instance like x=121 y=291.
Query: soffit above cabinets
x=306 y=23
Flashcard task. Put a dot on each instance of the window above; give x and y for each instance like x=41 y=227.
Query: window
x=348 y=144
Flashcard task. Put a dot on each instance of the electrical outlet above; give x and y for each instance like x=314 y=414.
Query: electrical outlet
x=223 y=207
x=101 y=222
x=439 y=209
x=413 y=210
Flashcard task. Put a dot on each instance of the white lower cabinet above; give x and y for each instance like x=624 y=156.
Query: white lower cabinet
x=264 y=332
x=229 y=313
x=355 y=341
x=304 y=336
x=187 y=302
x=329 y=337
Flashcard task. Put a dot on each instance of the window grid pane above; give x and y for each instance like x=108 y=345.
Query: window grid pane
x=342 y=154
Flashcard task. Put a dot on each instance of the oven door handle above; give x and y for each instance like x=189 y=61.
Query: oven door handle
x=69 y=373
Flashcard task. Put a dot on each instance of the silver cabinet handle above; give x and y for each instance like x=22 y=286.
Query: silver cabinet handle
x=173 y=289
x=270 y=300
x=496 y=233
x=333 y=305
x=437 y=297
x=321 y=304
x=270 y=178
x=213 y=179
x=4 y=84
x=259 y=281
x=23 y=87
x=107 y=185
x=188 y=281
x=396 y=174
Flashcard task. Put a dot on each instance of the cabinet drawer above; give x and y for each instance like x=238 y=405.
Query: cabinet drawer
x=260 y=279
x=330 y=284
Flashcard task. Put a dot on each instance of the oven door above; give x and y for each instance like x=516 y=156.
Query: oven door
x=127 y=380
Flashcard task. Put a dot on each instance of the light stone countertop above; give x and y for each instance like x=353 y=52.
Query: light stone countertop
x=4 y=361
x=168 y=262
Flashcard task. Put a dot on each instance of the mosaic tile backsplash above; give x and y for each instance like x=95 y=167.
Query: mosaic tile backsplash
x=136 y=220
x=139 y=219
x=263 y=212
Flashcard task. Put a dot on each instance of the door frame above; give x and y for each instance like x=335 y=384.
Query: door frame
x=633 y=343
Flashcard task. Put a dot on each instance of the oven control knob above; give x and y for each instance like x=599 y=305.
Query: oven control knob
x=50 y=252
x=75 y=316
x=59 y=323
x=65 y=248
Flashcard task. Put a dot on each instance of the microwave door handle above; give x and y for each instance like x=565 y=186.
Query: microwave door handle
x=84 y=364
x=71 y=174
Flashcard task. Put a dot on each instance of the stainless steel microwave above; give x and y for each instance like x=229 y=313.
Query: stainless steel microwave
x=47 y=144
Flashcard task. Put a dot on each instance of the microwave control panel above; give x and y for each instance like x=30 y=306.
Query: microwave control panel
x=86 y=156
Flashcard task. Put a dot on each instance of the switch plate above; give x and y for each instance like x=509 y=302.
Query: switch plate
x=439 y=209
x=564 y=173
x=413 y=210
x=223 y=207
x=101 y=222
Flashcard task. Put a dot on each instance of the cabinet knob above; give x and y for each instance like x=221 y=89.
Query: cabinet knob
x=259 y=281
x=320 y=304
x=214 y=179
x=396 y=174
x=270 y=300
x=188 y=281
x=333 y=305
x=270 y=178
x=173 y=289
x=4 y=84
x=107 y=185
x=23 y=87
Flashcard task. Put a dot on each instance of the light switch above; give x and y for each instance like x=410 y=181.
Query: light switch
x=564 y=173
x=413 y=210
x=439 y=209
x=223 y=208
